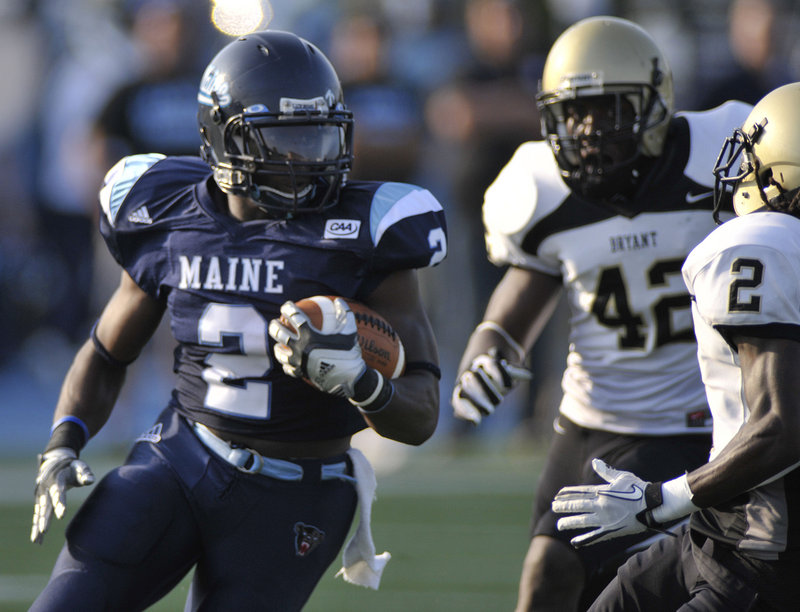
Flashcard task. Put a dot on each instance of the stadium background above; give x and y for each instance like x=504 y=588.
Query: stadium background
x=441 y=99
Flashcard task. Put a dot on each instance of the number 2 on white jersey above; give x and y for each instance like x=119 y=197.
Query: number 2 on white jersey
x=751 y=275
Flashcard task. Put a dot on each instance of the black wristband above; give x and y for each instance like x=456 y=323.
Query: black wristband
x=67 y=434
x=372 y=392
x=652 y=495
x=653 y=499
x=366 y=385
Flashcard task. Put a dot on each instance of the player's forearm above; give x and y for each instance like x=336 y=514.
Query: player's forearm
x=90 y=389
x=518 y=311
x=488 y=335
x=760 y=451
x=766 y=445
x=413 y=411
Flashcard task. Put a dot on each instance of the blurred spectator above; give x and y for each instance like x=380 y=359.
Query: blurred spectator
x=484 y=114
x=22 y=268
x=88 y=55
x=477 y=121
x=154 y=112
x=759 y=63
x=421 y=31
x=567 y=12
x=388 y=132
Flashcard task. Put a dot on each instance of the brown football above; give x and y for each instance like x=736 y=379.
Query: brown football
x=381 y=347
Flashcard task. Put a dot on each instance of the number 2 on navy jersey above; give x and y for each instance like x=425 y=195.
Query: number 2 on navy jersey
x=235 y=381
x=612 y=307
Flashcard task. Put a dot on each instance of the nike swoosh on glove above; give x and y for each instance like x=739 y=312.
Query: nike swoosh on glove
x=620 y=508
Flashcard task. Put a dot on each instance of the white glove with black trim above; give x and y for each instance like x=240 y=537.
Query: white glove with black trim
x=59 y=470
x=331 y=361
x=620 y=508
x=482 y=386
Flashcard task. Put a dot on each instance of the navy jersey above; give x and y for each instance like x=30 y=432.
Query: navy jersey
x=224 y=280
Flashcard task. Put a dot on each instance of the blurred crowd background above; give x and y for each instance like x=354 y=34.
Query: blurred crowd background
x=442 y=90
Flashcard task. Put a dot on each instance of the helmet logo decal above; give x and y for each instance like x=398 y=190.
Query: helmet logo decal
x=214 y=81
x=290 y=106
x=582 y=79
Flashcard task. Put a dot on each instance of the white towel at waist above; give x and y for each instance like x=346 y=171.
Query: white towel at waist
x=361 y=565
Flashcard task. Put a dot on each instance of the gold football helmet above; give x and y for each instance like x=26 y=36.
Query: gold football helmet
x=615 y=64
x=760 y=162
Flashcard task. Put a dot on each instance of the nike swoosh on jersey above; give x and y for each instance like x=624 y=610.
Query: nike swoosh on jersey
x=691 y=198
x=634 y=494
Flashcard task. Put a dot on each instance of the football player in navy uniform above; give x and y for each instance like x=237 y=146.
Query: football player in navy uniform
x=247 y=476
x=742 y=548
x=604 y=212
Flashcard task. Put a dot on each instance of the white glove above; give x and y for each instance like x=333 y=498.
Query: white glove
x=483 y=385
x=620 y=508
x=331 y=361
x=59 y=470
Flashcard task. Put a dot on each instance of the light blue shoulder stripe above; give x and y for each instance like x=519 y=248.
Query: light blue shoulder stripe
x=394 y=202
x=121 y=179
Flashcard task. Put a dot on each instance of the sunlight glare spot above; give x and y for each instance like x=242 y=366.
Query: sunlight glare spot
x=239 y=17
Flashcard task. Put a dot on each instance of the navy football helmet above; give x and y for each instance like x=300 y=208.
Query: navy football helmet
x=273 y=123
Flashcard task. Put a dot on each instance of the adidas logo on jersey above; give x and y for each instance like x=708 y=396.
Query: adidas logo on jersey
x=140 y=215
x=151 y=435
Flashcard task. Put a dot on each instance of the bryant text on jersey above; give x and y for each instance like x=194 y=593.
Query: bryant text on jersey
x=633 y=242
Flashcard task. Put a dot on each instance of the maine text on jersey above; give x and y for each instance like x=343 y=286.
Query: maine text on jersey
x=230 y=273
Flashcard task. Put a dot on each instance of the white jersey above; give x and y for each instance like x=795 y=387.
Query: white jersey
x=631 y=366
x=745 y=276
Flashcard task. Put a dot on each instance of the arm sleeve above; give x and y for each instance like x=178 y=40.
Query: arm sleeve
x=407 y=227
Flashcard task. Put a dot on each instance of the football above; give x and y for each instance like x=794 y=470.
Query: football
x=381 y=347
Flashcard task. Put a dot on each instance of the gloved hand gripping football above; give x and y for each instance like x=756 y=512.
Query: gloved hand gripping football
x=620 y=508
x=482 y=386
x=59 y=470
x=330 y=358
